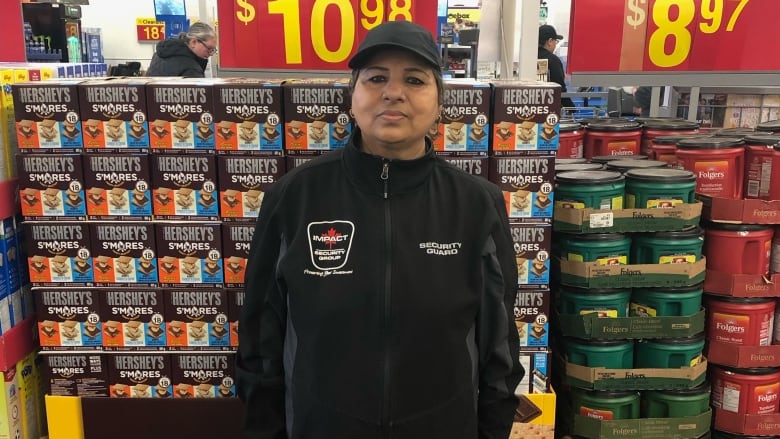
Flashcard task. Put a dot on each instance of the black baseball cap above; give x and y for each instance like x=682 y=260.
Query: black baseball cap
x=546 y=32
x=397 y=35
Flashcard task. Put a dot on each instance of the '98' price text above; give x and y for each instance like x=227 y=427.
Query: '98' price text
x=371 y=14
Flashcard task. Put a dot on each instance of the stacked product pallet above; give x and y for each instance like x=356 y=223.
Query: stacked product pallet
x=743 y=257
x=628 y=319
x=522 y=163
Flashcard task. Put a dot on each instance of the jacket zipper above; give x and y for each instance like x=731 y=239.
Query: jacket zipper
x=385 y=421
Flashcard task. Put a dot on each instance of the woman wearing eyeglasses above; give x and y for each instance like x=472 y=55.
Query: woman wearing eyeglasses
x=187 y=55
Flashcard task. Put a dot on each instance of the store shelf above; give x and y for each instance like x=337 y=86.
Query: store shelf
x=8 y=205
x=17 y=342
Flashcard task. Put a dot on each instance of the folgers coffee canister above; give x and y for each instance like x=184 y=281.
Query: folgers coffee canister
x=624 y=166
x=589 y=189
x=604 y=159
x=664 y=148
x=673 y=301
x=668 y=353
x=659 y=188
x=762 y=167
x=717 y=162
x=602 y=248
x=570 y=140
x=612 y=138
x=676 y=403
x=681 y=247
x=734 y=132
x=770 y=126
x=606 y=302
x=612 y=354
x=744 y=321
x=738 y=248
x=576 y=167
x=754 y=391
x=606 y=405
x=655 y=127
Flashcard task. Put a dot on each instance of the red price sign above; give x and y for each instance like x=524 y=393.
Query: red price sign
x=306 y=34
x=674 y=35
x=149 y=29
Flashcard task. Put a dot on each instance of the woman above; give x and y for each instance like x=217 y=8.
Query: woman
x=187 y=55
x=381 y=280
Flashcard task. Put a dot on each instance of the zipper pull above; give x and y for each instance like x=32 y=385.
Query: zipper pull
x=385 y=177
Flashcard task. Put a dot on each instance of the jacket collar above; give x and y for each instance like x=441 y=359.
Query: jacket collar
x=365 y=170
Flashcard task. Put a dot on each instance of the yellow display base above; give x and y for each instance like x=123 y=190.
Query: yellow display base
x=64 y=417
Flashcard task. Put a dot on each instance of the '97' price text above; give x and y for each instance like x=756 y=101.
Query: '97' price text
x=371 y=14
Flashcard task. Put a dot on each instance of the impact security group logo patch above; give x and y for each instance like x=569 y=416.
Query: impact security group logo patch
x=330 y=243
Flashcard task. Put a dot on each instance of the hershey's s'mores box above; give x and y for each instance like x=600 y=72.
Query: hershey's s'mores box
x=59 y=253
x=114 y=113
x=533 y=245
x=68 y=318
x=75 y=374
x=527 y=184
x=181 y=114
x=464 y=127
x=184 y=187
x=235 y=303
x=118 y=186
x=189 y=253
x=133 y=318
x=123 y=253
x=203 y=375
x=532 y=318
x=316 y=115
x=243 y=181
x=297 y=160
x=236 y=240
x=248 y=115
x=197 y=318
x=139 y=375
x=526 y=116
x=477 y=166
x=51 y=186
x=47 y=114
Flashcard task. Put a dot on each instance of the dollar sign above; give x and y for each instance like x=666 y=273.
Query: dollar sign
x=247 y=14
x=639 y=14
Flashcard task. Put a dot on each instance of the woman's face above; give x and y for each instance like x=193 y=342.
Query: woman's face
x=203 y=48
x=395 y=101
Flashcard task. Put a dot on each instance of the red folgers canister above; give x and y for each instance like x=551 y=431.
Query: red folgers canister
x=664 y=148
x=571 y=140
x=738 y=248
x=744 y=321
x=754 y=391
x=718 y=163
x=653 y=128
x=612 y=138
x=762 y=166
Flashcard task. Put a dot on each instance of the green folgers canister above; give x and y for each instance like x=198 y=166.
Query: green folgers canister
x=668 y=353
x=603 y=248
x=606 y=302
x=664 y=302
x=612 y=354
x=628 y=164
x=659 y=188
x=680 y=247
x=676 y=403
x=589 y=189
x=606 y=405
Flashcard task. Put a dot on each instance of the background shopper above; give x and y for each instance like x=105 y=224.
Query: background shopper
x=548 y=40
x=186 y=55
x=370 y=312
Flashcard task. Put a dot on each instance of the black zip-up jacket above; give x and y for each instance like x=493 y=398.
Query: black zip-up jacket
x=172 y=57
x=378 y=304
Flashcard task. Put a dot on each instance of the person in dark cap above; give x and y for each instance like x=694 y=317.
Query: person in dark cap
x=370 y=312
x=548 y=40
